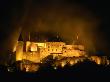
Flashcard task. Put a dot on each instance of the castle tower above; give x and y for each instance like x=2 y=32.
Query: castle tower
x=19 y=48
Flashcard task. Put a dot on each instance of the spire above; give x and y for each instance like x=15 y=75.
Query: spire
x=58 y=38
x=77 y=37
x=29 y=36
x=20 y=38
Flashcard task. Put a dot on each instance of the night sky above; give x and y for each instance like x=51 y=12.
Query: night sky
x=88 y=18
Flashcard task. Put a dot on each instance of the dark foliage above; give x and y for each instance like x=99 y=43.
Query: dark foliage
x=87 y=71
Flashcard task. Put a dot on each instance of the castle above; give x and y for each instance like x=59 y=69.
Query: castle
x=36 y=51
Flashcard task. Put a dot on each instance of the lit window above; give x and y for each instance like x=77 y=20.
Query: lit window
x=33 y=47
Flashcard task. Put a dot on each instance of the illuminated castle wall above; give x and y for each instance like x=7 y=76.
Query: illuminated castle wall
x=36 y=51
x=19 y=50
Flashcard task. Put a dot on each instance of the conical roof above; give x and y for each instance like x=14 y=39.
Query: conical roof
x=20 y=38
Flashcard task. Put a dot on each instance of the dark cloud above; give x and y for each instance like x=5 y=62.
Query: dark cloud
x=65 y=18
